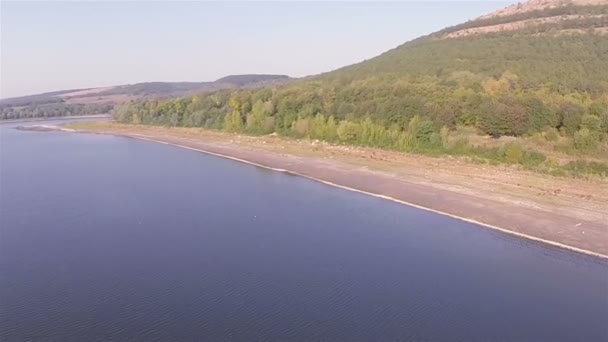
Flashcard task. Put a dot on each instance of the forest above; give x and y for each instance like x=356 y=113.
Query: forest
x=48 y=110
x=545 y=82
x=408 y=98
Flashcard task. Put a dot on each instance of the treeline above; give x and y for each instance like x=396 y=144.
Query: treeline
x=30 y=101
x=398 y=115
x=53 y=110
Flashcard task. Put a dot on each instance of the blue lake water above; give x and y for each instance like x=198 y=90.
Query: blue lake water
x=109 y=238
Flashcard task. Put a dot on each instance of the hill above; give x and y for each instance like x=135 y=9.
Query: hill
x=557 y=44
x=537 y=69
x=253 y=80
x=176 y=89
x=513 y=72
x=101 y=100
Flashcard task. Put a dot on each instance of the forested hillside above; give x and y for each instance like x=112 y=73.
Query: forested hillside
x=537 y=69
x=102 y=100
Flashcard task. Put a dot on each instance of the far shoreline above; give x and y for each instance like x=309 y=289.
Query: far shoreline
x=57 y=118
x=559 y=228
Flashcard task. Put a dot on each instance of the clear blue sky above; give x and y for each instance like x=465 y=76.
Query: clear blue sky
x=49 y=46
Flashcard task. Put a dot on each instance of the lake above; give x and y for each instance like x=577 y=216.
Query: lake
x=110 y=238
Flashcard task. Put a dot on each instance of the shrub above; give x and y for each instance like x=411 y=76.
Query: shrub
x=592 y=123
x=585 y=140
x=552 y=135
x=533 y=158
x=435 y=141
x=301 y=127
x=460 y=147
x=268 y=125
x=539 y=115
x=406 y=142
x=494 y=154
x=571 y=116
x=348 y=131
x=421 y=129
x=598 y=108
x=604 y=122
x=506 y=117
x=580 y=167
x=444 y=135
x=424 y=132
x=513 y=152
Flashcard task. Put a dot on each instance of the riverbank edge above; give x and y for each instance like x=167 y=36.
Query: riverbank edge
x=167 y=141
x=57 y=118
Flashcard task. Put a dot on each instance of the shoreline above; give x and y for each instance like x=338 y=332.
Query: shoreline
x=524 y=221
x=57 y=118
x=504 y=230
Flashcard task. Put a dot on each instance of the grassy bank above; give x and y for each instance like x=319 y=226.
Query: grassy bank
x=533 y=154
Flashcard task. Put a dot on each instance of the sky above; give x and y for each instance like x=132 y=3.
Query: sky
x=47 y=46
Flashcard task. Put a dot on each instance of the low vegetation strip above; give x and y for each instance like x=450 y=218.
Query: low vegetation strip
x=569 y=212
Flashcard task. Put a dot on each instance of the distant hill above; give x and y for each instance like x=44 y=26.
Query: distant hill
x=174 y=89
x=50 y=97
x=253 y=80
x=156 y=89
x=94 y=100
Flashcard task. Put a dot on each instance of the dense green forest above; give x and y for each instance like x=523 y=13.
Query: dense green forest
x=530 y=81
x=48 y=110
x=100 y=100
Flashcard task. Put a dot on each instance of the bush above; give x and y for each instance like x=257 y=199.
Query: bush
x=533 y=158
x=581 y=167
x=444 y=135
x=571 y=116
x=424 y=132
x=551 y=135
x=348 y=131
x=539 y=115
x=494 y=154
x=604 y=121
x=406 y=142
x=592 y=123
x=585 y=140
x=598 y=108
x=460 y=147
x=421 y=129
x=513 y=152
x=301 y=127
x=505 y=117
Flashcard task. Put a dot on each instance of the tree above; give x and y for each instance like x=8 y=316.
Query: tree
x=233 y=122
x=257 y=118
x=571 y=116
x=539 y=115
x=348 y=131
x=504 y=117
